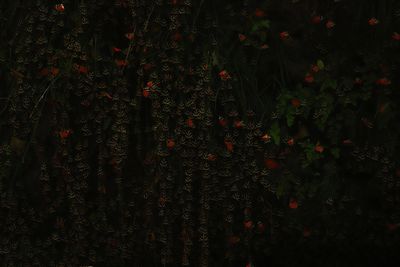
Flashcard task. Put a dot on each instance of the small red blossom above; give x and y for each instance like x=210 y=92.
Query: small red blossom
x=121 y=62
x=266 y=138
x=65 y=133
x=242 y=37
x=272 y=164
x=284 y=35
x=211 y=157
x=259 y=13
x=316 y=19
x=147 y=66
x=224 y=75
x=396 y=36
x=264 y=46
x=309 y=78
x=373 y=21
x=318 y=148
x=130 y=36
x=347 y=142
x=146 y=93
x=116 y=49
x=314 y=68
x=55 y=71
x=330 y=24
x=248 y=224
x=59 y=7
x=190 y=123
x=105 y=94
x=150 y=84
x=293 y=203
x=228 y=145
x=295 y=102
x=222 y=122
x=238 y=124
x=81 y=69
x=383 y=82
x=170 y=143
x=290 y=142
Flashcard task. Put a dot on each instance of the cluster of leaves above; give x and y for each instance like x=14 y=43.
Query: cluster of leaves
x=198 y=133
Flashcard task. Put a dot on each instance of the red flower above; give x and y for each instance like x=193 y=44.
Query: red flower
x=396 y=36
x=211 y=157
x=238 y=124
x=284 y=35
x=190 y=123
x=347 y=142
x=248 y=225
x=81 y=69
x=272 y=164
x=314 y=68
x=242 y=37
x=295 y=102
x=170 y=143
x=59 y=7
x=130 y=35
x=105 y=94
x=146 y=93
x=121 y=62
x=55 y=71
x=318 y=148
x=293 y=203
x=259 y=13
x=224 y=75
x=264 y=46
x=266 y=138
x=229 y=145
x=330 y=24
x=309 y=78
x=317 y=19
x=222 y=122
x=116 y=49
x=290 y=142
x=65 y=133
x=383 y=81
x=150 y=84
x=373 y=21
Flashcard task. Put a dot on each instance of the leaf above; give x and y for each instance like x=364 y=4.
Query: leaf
x=290 y=117
x=320 y=64
x=335 y=152
x=275 y=133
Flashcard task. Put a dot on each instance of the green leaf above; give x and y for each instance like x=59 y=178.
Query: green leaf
x=275 y=133
x=290 y=117
x=335 y=152
x=320 y=64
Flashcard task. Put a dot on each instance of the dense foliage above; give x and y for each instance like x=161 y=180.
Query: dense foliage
x=199 y=132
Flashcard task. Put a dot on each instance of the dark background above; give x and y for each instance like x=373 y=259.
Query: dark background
x=199 y=133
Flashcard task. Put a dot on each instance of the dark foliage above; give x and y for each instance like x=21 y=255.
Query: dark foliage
x=199 y=133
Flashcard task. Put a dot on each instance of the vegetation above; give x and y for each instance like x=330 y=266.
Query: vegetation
x=199 y=133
